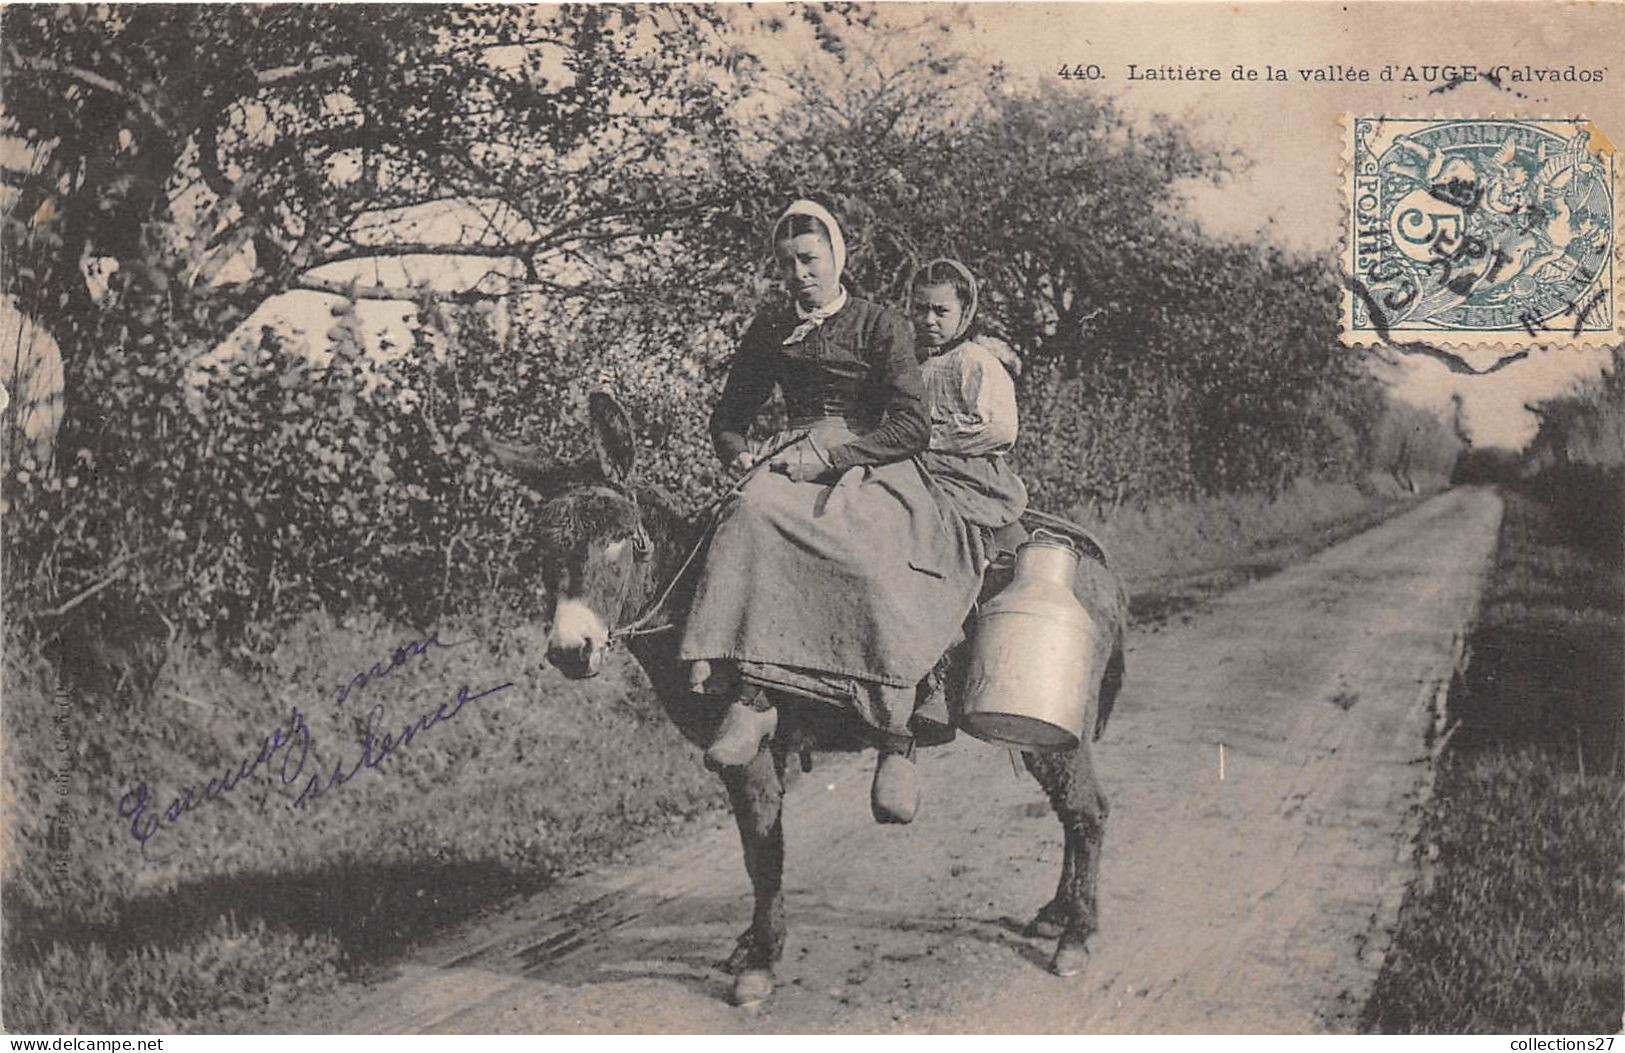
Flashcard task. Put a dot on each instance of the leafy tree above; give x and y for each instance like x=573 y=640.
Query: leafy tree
x=180 y=166
x=564 y=199
x=1584 y=426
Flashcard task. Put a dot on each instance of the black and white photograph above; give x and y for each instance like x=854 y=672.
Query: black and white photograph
x=813 y=519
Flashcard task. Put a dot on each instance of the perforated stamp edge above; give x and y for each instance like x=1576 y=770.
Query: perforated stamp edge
x=1478 y=349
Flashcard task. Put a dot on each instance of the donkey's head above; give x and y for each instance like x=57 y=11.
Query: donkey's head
x=596 y=547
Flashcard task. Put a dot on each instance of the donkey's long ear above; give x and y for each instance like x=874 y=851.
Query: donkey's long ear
x=530 y=466
x=612 y=436
x=515 y=456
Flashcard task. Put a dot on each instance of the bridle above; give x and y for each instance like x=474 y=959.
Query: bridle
x=643 y=549
x=643 y=552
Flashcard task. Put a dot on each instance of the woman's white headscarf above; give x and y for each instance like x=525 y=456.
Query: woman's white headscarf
x=837 y=243
x=811 y=320
x=969 y=314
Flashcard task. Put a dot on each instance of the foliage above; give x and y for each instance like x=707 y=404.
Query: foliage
x=599 y=201
x=1487 y=464
x=184 y=165
x=167 y=140
x=1585 y=426
x=285 y=485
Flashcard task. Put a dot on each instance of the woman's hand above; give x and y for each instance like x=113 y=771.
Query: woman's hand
x=744 y=462
x=814 y=469
x=802 y=471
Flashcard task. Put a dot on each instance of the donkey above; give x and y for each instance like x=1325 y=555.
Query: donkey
x=615 y=566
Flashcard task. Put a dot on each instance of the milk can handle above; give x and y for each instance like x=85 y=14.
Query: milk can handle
x=1040 y=532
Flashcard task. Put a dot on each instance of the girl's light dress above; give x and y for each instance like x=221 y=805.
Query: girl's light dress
x=972 y=402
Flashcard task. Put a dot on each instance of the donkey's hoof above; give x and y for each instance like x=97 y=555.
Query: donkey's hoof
x=736 y=962
x=1042 y=928
x=752 y=987
x=1071 y=958
x=1049 y=923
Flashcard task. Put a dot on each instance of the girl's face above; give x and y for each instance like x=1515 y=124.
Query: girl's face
x=937 y=313
x=808 y=267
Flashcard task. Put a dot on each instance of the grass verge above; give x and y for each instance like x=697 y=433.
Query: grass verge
x=235 y=909
x=1516 y=922
x=238 y=903
x=1173 y=554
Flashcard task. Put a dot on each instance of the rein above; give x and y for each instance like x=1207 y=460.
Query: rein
x=640 y=626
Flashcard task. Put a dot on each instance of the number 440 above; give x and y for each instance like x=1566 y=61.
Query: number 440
x=1081 y=72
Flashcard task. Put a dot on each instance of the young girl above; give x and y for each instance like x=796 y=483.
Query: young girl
x=972 y=403
x=970 y=395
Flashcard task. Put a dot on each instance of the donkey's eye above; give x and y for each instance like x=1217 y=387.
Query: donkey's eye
x=614 y=549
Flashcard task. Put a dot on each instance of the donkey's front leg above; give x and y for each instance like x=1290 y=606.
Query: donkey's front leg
x=756 y=791
x=1069 y=781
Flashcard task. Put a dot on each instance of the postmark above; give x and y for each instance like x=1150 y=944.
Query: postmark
x=1480 y=233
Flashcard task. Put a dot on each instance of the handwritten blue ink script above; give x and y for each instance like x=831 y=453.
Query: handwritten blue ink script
x=375 y=747
x=288 y=747
x=398 y=658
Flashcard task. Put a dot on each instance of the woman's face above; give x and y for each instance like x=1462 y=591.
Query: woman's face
x=808 y=267
x=937 y=313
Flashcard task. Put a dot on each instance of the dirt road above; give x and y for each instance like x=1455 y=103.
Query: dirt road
x=1258 y=901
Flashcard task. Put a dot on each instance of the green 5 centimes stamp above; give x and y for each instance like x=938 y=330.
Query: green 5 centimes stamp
x=1480 y=232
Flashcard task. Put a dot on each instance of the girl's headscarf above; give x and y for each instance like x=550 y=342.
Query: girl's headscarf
x=932 y=274
x=935 y=273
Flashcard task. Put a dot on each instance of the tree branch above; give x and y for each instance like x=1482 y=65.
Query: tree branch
x=278 y=75
x=204 y=240
x=516 y=250
x=353 y=291
x=35 y=64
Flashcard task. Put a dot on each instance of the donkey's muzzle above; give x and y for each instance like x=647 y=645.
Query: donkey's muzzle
x=578 y=662
x=579 y=639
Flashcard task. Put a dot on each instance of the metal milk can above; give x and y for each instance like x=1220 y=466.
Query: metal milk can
x=1033 y=658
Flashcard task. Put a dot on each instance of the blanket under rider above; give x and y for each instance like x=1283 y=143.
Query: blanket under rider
x=868 y=578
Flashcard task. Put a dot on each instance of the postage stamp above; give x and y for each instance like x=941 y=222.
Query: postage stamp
x=1480 y=232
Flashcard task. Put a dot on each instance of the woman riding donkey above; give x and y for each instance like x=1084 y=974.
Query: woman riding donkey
x=838 y=575
x=841 y=576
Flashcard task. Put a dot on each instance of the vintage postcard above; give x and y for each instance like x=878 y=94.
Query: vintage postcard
x=902 y=518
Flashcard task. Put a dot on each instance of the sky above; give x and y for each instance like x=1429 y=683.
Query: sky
x=1292 y=131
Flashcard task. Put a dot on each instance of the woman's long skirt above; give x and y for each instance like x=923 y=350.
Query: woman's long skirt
x=846 y=592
